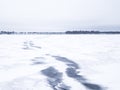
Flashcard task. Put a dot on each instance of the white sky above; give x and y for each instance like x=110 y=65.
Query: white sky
x=60 y=14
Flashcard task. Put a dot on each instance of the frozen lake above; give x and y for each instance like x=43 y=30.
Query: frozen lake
x=59 y=62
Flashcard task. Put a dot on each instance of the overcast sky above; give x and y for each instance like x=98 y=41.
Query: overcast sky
x=58 y=14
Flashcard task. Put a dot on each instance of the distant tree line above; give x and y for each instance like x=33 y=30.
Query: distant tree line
x=7 y=32
x=29 y=33
x=92 y=32
x=67 y=32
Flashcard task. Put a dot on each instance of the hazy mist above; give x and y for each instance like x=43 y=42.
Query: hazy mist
x=57 y=15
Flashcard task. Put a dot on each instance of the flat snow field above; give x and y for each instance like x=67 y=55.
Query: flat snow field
x=59 y=62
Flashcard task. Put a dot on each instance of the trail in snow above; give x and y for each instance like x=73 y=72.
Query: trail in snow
x=56 y=63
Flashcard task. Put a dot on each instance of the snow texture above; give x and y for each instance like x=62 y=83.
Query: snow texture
x=59 y=62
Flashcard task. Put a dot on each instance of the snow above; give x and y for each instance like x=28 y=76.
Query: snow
x=23 y=57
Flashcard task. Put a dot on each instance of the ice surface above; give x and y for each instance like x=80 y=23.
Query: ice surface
x=59 y=62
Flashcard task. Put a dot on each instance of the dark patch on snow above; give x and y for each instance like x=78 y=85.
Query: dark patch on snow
x=72 y=73
x=55 y=79
x=28 y=45
x=67 y=61
x=92 y=86
x=37 y=47
x=51 y=72
x=58 y=84
x=38 y=60
x=37 y=63
x=64 y=87
x=31 y=44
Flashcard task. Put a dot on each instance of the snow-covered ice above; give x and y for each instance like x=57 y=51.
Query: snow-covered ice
x=59 y=62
